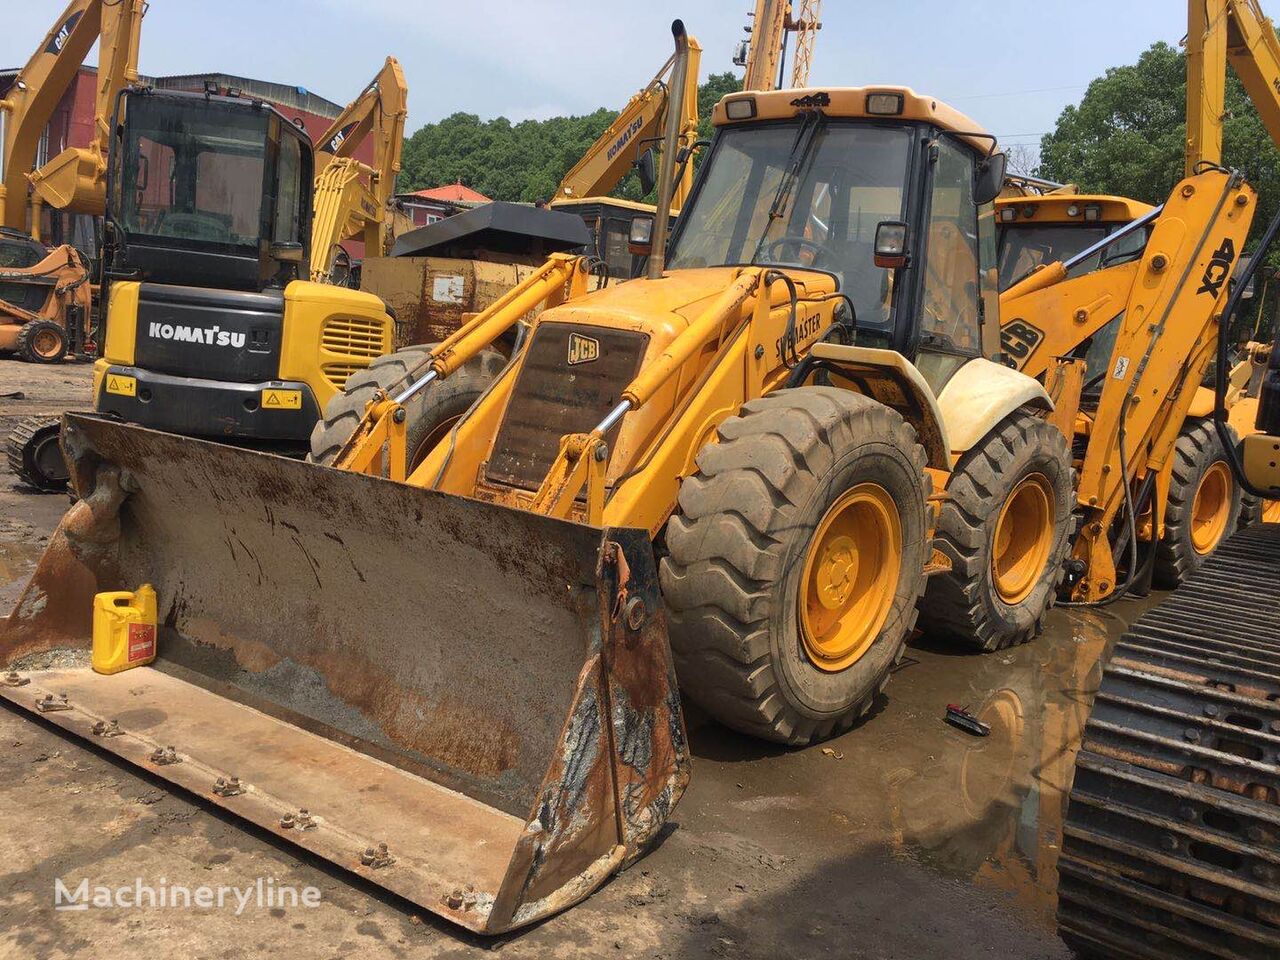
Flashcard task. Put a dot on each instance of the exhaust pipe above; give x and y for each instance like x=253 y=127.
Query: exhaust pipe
x=670 y=145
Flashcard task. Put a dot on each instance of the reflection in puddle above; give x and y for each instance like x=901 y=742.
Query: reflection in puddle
x=990 y=810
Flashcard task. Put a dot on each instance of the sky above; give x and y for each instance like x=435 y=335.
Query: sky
x=1012 y=65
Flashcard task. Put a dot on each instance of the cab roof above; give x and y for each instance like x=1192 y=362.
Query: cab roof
x=856 y=102
x=1057 y=208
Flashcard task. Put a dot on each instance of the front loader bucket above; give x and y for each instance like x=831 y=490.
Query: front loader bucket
x=487 y=692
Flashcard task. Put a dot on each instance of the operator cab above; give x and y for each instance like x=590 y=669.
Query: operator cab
x=1037 y=230
x=207 y=191
x=887 y=191
x=609 y=220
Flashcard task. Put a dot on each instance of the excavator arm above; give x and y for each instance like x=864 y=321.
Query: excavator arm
x=609 y=159
x=351 y=197
x=76 y=178
x=25 y=112
x=1221 y=32
x=765 y=53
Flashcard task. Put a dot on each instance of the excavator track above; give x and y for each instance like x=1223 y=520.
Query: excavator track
x=1171 y=846
x=34 y=456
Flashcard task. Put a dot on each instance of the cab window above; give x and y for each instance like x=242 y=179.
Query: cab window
x=949 y=322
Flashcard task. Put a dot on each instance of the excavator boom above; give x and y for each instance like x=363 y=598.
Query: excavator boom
x=76 y=178
x=351 y=198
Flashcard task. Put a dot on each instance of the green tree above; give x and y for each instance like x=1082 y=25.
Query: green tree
x=523 y=161
x=1127 y=135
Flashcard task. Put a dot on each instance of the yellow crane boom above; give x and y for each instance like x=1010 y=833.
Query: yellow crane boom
x=764 y=53
x=609 y=159
x=76 y=178
x=351 y=197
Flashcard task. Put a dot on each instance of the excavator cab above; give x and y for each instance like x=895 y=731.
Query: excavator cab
x=211 y=327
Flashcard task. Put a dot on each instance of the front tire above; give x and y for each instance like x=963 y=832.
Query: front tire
x=1203 y=507
x=796 y=559
x=431 y=413
x=1006 y=528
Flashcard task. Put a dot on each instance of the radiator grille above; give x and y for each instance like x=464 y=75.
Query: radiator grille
x=354 y=337
x=571 y=376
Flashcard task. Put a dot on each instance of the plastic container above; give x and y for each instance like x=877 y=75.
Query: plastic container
x=124 y=629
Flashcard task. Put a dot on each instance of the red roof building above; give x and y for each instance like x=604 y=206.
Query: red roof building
x=428 y=206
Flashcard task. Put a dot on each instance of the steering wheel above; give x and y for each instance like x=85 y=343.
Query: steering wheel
x=819 y=249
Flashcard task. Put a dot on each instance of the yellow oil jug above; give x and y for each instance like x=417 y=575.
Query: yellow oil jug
x=124 y=629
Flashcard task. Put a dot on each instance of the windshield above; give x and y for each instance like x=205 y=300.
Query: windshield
x=192 y=173
x=1023 y=247
x=850 y=177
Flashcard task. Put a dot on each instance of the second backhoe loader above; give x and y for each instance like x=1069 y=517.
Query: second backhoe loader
x=444 y=659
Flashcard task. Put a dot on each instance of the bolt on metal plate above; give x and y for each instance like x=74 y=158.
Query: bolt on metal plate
x=163 y=756
x=228 y=787
x=104 y=729
x=377 y=858
x=15 y=679
x=50 y=702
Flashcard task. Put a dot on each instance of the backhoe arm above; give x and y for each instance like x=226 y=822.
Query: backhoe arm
x=1221 y=32
x=1165 y=342
x=76 y=178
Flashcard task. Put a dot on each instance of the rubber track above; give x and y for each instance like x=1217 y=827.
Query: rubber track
x=23 y=433
x=1171 y=847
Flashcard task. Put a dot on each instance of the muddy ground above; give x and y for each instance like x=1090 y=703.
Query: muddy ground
x=905 y=838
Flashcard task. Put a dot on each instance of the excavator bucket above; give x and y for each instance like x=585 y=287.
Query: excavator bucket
x=471 y=706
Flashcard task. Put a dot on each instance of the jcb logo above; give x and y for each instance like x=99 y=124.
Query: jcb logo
x=582 y=349
x=1219 y=268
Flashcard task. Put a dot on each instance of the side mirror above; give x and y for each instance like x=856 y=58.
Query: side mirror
x=287 y=252
x=989 y=179
x=891 y=244
x=640 y=240
x=647 y=170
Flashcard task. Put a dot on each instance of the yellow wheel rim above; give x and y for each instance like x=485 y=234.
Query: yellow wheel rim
x=850 y=577
x=1023 y=539
x=1271 y=511
x=1211 y=508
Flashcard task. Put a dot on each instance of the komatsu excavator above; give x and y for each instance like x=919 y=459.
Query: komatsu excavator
x=218 y=341
x=466 y=676
x=1170 y=842
x=586 y=187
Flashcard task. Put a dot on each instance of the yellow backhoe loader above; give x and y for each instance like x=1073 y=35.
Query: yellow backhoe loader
x=44 y=299
x=465 y=671
x=1169 y=845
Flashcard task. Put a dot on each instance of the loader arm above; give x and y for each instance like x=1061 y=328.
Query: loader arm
x=1221 y=32
x=351 y=198
x=25 y=111
x=1165 y=342
x=609 y=158
x=76 y=178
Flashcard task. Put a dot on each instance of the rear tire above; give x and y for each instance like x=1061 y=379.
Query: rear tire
x=991 y=599
x=430 y=413
x=41 y=341
x=785 y=489
x=34 y=455
x=1204 y=504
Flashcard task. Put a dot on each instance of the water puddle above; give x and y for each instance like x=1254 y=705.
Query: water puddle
x=990 y=810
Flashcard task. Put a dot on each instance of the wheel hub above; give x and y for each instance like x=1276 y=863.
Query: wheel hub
x=850 y=577
x=1211 y=508
x=1023 y=539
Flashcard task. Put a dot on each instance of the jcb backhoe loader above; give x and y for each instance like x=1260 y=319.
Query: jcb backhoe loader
x=453 y=645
